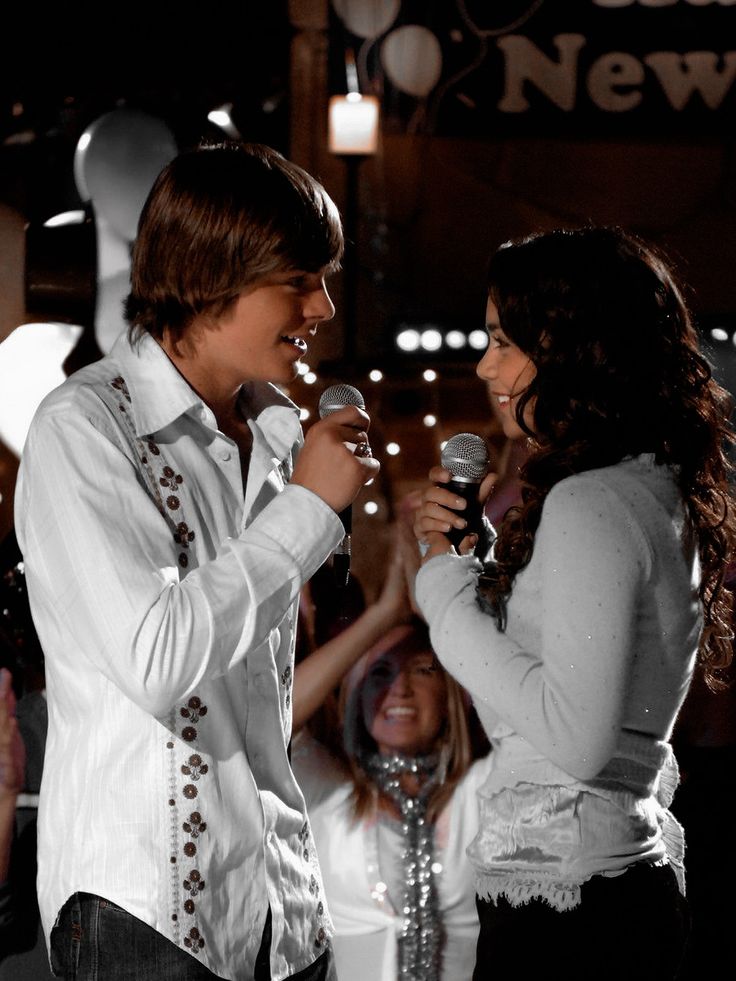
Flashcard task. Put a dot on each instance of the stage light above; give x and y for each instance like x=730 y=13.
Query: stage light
x=222 y=117
x=393 y=449
x=375 y=375
x=310 y=378
x=719 y=334
x=431 y=339
x=478 y=339
x=408 y=340
x=429 y=375
x=430 y=420
x=304 y=414
x=370 y=507
x=302 y=368
x=455 y=339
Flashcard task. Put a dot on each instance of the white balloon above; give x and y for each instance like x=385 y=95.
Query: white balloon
x=367 y=18
x=412 y=59
x=116 y=162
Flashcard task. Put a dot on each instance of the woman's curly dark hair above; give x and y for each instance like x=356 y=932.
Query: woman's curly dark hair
x=619 y=372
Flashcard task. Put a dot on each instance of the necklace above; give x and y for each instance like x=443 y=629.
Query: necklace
x=420 y=943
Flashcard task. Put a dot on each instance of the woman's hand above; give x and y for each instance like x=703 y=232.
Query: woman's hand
x=436 y=515
x=393 y=605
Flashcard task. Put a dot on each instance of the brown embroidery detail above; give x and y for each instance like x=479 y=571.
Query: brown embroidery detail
x=195 y=826
x=167 y=477
x=194 y=942
x=194 y=884
x=170 y=478
x=183 y=536
x=194 y=710
x=286 y=682
x=166 y=488
x=195 y=767
x=320 y=938
x=119 y=384
x=313 y=886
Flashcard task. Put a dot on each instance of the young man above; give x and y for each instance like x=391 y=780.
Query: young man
x=169 y=516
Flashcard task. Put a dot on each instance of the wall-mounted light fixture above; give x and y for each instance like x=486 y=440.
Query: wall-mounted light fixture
x=353 y=124
x=352 y=133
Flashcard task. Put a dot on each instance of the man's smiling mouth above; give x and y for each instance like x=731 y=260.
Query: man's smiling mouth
x=297 y=342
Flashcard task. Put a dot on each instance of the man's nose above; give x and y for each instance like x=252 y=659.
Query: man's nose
x=320 y=305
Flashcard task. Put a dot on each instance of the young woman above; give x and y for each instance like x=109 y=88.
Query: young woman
x=579 y=640
x=391 y=798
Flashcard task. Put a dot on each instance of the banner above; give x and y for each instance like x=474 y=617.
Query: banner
x=488 y=68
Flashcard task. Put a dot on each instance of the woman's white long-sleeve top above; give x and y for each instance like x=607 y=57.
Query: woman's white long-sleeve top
x=580 y=692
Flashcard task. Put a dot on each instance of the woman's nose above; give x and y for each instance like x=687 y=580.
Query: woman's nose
x=486 y=369
x=402 y=683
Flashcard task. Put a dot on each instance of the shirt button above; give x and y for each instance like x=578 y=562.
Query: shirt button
x=225 y=455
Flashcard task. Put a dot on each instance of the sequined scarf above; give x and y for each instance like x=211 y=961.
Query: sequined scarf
x=422 y=934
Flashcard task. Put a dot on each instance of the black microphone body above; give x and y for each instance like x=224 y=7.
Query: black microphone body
x=333 y=399
x=466 y=457
x=473 y=512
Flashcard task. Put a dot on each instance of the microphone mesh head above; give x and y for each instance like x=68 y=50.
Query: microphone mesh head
x=337 y=397
x=466 y=457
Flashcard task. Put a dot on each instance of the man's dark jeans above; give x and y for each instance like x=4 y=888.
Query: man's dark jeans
x=95 y=940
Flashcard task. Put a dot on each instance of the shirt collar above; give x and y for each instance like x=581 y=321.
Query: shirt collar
x=160 y=395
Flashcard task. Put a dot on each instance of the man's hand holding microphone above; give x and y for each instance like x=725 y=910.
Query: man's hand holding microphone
x=336 y=459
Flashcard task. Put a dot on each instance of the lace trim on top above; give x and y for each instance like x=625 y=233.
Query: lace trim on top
x=520 y=886
x=519 y=890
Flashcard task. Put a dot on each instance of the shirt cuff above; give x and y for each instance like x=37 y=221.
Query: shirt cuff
x=303 y=525
x=444 y=575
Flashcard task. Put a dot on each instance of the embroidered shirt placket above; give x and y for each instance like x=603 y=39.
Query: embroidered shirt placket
x=185 y=772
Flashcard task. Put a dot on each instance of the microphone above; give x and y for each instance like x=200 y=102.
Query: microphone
x=466 y=457
x=333 y=399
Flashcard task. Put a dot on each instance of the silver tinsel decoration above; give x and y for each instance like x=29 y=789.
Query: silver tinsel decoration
x=422 y=935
